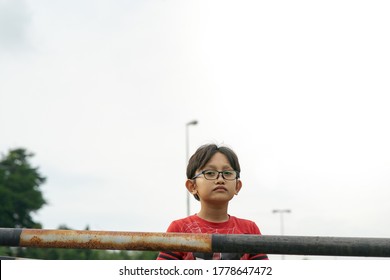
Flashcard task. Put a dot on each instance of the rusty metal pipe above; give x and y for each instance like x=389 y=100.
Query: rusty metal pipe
x=114 y=240
x=187 y=242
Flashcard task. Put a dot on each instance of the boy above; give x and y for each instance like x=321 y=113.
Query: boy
x=213 y=174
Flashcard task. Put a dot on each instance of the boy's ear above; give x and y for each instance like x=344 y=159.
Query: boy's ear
x=191 y=186
x=238 y=186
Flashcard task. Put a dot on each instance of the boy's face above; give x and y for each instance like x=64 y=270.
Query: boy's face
x=218 y=190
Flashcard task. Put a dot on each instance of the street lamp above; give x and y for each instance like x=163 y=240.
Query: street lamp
x=194 y=122
x=281 y=212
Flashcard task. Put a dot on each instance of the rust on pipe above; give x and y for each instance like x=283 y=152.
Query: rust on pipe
x=191 y=242
x=114 y=240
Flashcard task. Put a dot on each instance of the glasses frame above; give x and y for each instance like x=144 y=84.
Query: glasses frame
x=219 y=173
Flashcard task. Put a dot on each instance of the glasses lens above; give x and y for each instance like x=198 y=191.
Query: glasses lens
x=213 y=174
x=229 y=175
x=210 y=174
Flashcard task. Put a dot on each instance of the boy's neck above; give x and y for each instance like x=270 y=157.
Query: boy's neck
x=214 y=214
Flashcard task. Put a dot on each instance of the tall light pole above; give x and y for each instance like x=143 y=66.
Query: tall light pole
x=281 y=212
x=194 y=122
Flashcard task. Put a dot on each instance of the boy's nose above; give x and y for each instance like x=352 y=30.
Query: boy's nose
x=220 y=178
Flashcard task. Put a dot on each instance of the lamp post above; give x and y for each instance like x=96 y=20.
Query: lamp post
x=194 y=122
x=281 y=212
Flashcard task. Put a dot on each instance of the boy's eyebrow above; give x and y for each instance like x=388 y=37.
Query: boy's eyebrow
x=207 y=166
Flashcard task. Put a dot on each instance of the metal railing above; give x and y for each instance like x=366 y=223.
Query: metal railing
x=188 y=242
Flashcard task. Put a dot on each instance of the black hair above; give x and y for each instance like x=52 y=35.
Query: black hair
x=203 y=155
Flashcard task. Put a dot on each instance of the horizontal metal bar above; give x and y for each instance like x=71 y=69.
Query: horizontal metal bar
x=10 y=236
x=114 y=240
x=188 y=242
x=303 y=245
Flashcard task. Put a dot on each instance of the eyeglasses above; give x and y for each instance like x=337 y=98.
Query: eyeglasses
x=214 y=174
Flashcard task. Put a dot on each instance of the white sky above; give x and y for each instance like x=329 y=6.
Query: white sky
x=101 y=91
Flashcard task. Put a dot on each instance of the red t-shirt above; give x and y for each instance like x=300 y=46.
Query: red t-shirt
x=194 y=224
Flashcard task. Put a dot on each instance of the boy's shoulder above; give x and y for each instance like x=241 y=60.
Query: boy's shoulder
x=241 y=221
x=188 y=218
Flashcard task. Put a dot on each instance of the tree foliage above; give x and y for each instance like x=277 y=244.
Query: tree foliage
x=20 y=193
x=20 y=196
x=84 y=254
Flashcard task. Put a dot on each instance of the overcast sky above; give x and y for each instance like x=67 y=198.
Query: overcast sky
x=100 y=92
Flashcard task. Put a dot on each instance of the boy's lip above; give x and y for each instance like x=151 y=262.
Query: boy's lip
x=220 y=188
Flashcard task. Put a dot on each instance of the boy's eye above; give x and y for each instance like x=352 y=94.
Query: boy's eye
x=210 y=172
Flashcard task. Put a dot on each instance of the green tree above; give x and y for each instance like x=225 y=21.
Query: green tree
x=20 y=193
x=20 y=196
